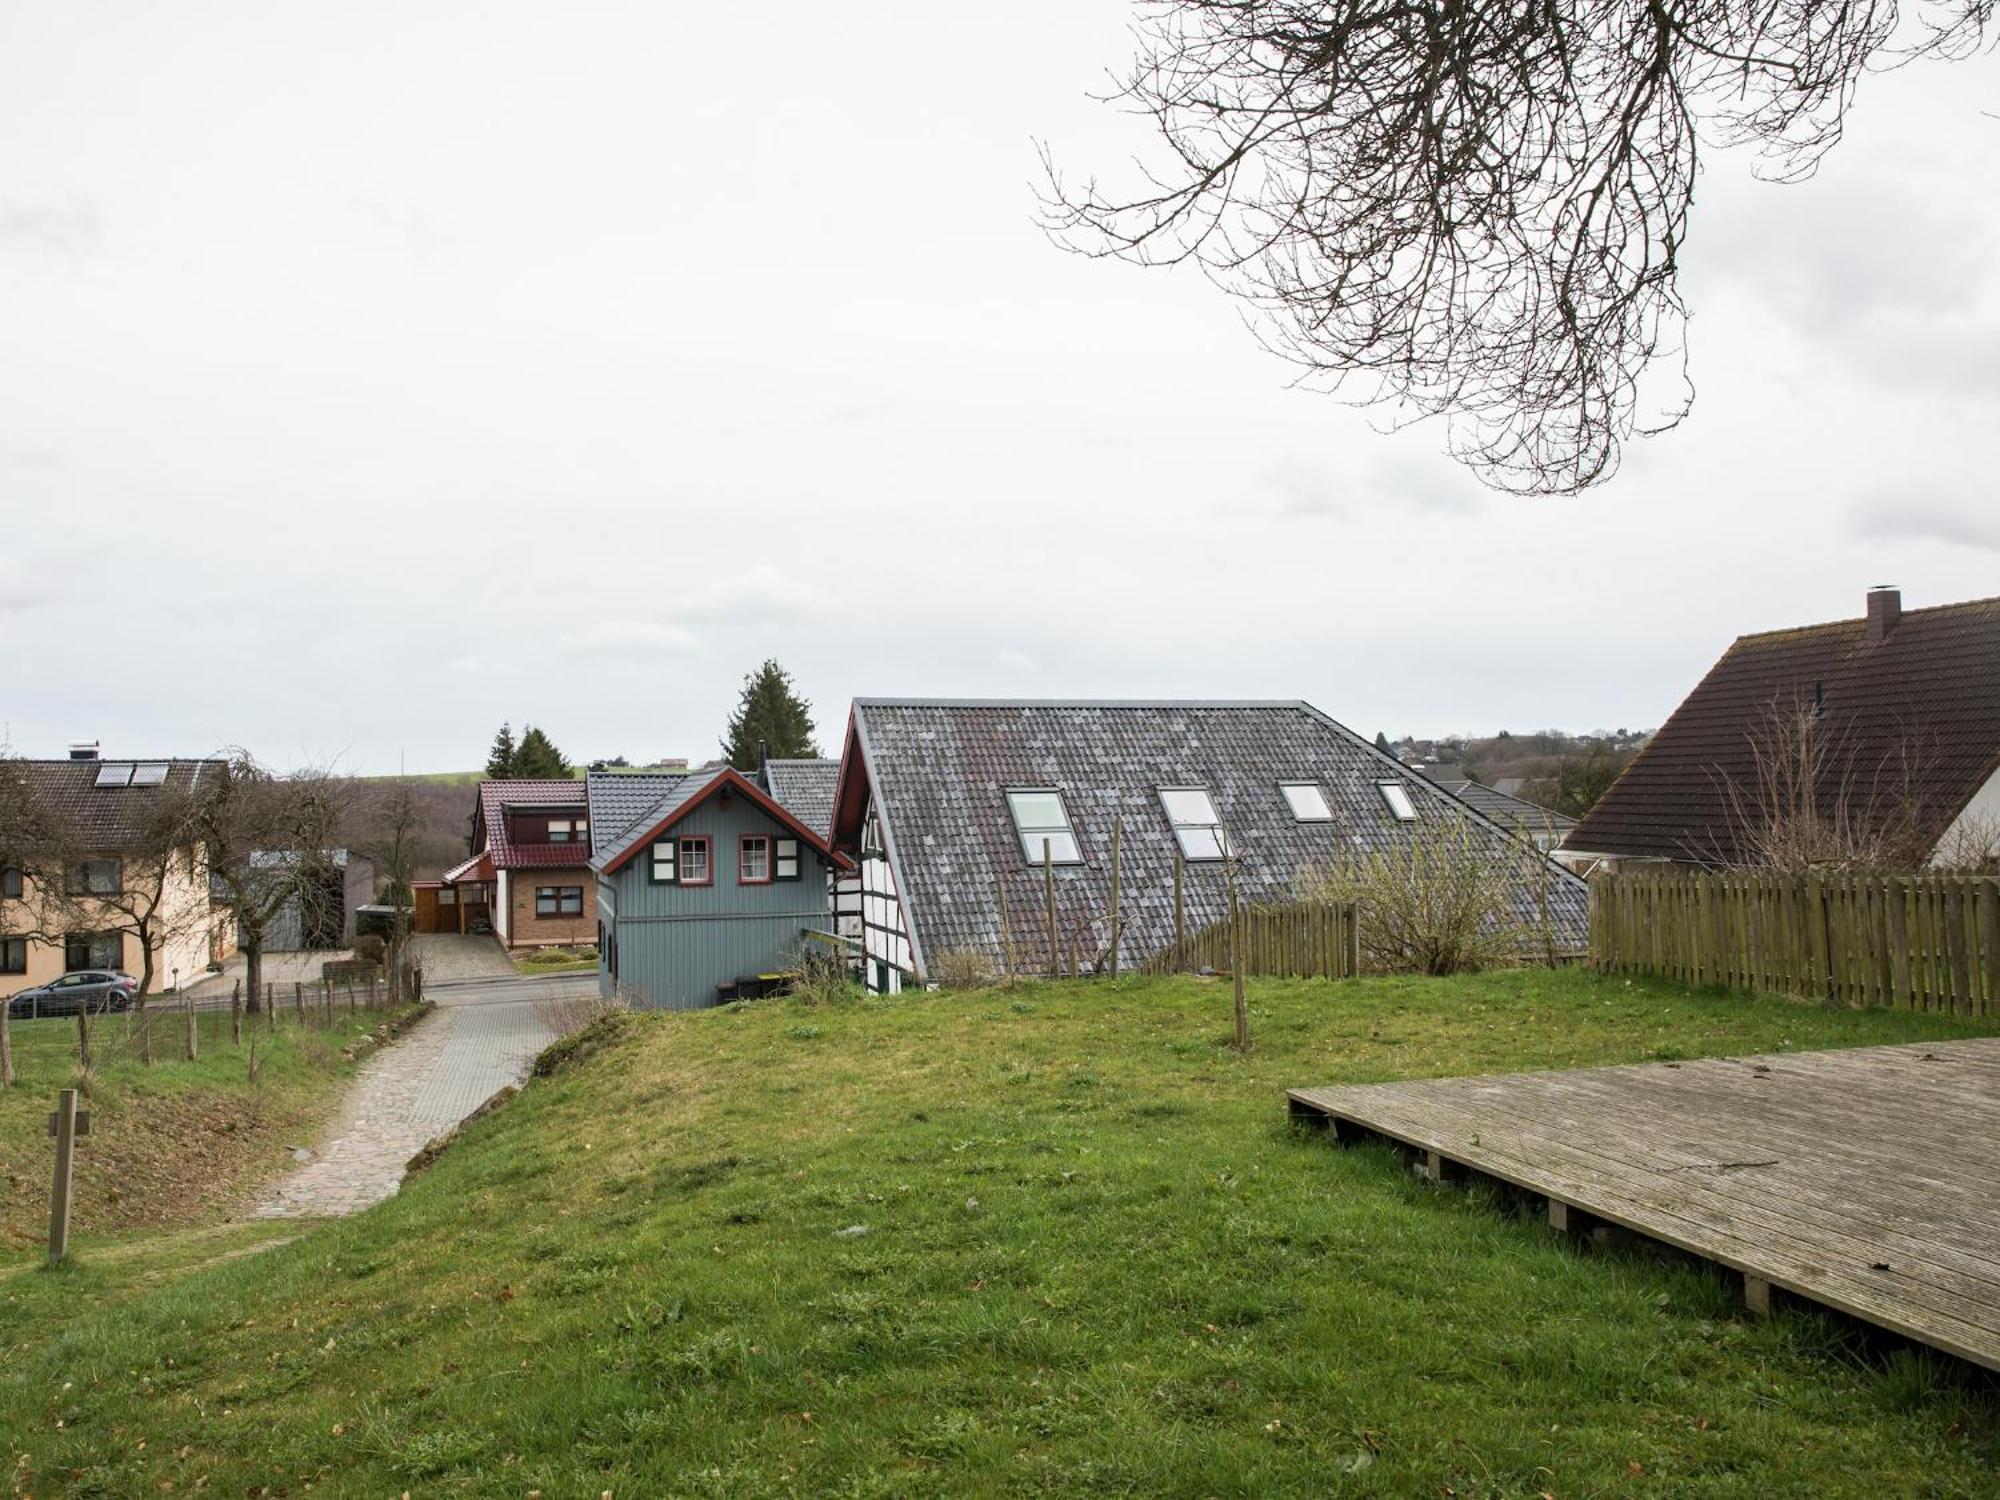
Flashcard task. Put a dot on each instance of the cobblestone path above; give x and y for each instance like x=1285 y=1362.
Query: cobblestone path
x=409 y=1093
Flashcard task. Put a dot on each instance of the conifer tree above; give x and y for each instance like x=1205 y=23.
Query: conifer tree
x=500 y=759
x=770 y=711
x=537 y=759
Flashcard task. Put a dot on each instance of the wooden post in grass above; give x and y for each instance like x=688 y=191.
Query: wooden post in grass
x=299 y=1003
x=1117 y=843
x=325 y=1000
x=236 y=1014
x=1236 y=958
x=6 y=1046
x=1049 y=901
x=65 y=1125
x=1006 y=933
x=350 y=994
x=1180 y=911
x=270 y=1005
x=193 y=1026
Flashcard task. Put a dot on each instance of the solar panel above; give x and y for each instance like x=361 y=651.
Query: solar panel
x=115 y=773
x=150 y=773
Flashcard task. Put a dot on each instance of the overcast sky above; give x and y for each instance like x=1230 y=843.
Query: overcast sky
x=370 y=374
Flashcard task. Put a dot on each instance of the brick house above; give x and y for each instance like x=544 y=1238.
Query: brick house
x=529 y=880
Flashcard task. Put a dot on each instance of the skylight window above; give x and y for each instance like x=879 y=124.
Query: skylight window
x=150 y=773
x=1196 y=826
x=1307 y=800
x=115 y=773
x=1398 y=797
x=1041 y=818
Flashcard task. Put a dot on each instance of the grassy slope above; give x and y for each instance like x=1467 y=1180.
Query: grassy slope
x=1053 y=1239
x=172 y=1143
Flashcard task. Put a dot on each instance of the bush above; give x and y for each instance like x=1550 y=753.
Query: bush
x=822 y=977
x=1446 y=901
x=963 y=969
x=369 y=948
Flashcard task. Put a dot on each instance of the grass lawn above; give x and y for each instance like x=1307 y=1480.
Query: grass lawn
x=1050 y=1239
x=542 y=961
x=173 y=1143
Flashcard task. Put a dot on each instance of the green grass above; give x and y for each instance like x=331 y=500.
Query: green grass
x=174 y=1142
x=540 y=961
x=1045 y=1240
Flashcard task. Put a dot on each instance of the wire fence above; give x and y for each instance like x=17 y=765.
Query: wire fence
x=103 y=1029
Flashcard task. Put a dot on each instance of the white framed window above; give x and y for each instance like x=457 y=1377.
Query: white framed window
x=694 y=857
x=1041 y=817
x=1397 y=797
x=753 y=859
x=561 y=831
x=1307 y=800
x=1199 y=831
x=663 y=862
x=785 y=859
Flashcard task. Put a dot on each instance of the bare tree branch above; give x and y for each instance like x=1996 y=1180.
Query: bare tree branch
x=1477 y=211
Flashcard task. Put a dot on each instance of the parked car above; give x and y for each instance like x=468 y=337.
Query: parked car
x=101 y=989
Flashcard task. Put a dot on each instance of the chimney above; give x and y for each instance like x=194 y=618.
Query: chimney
x=763 y=755
x=83 y=750
x=1885 y=608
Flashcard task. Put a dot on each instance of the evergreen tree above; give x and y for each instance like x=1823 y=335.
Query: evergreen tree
x=537 y=759
x=771 y=711
x=500 y=759
x=1382 y=742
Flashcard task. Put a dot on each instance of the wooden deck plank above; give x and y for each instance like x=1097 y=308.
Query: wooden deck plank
x=1864 y=1179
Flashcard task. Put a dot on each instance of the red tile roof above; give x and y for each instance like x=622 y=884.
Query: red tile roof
x=1924 y=695
x=495 y=797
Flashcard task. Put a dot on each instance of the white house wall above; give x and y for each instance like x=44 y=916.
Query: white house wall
x=1977 y=826
x=884 y=930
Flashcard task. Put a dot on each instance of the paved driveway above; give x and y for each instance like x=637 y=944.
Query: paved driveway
x=447 y=958
x=480 y=1039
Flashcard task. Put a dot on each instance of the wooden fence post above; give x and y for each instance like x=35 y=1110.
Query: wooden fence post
x=193 y=1027
x=270 y=1005
x=299 y=1002
x=63 y=1127
x=1237 y=1002
x=1180 y=911
x=1049 y=901
x=236 y=1014
x=1117 y=839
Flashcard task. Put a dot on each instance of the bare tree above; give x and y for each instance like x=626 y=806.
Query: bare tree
x=269 y=843
x=394 y=839
x=1477 y=211
x=1816 y=798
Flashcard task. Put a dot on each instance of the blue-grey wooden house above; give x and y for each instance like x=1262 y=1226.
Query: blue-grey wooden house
x=705 y=880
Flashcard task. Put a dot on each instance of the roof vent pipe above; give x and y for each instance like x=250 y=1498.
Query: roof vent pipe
x=763 y=755
x=1885 y=608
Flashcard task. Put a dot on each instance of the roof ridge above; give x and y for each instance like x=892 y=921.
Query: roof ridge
x=1081 y=703
x=1849 y=622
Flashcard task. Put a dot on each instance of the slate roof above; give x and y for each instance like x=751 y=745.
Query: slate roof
x=804 y=788
x=111 y=819
x=619 y=799
x=496 y=796
x=1499 y=806
x=683 y=791
x=1925 y=695
x=940 y=770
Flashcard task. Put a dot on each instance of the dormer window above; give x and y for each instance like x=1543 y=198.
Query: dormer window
x=566 y=831
x=1307 y=800
x=1397 y=797
x=1041 y=819
x=1199 y=831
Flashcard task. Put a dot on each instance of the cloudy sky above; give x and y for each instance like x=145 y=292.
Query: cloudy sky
x=373 y=373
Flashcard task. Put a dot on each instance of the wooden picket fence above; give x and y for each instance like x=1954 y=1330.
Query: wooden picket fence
x=1292 y=940
x=1916 y=942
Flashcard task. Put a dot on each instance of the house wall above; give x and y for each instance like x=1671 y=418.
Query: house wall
x=673 y=944
x=187 y=923
x=525 y=929
x=1976 y=828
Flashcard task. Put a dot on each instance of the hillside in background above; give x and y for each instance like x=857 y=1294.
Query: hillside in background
x=1552 y=767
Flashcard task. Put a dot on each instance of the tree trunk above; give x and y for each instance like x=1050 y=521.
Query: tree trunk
x=83 y=1033
x=139 y=1000
x=253 y=965
x=236 y=1014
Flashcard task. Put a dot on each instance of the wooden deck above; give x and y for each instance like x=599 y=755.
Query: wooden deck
x=1867 y=1180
